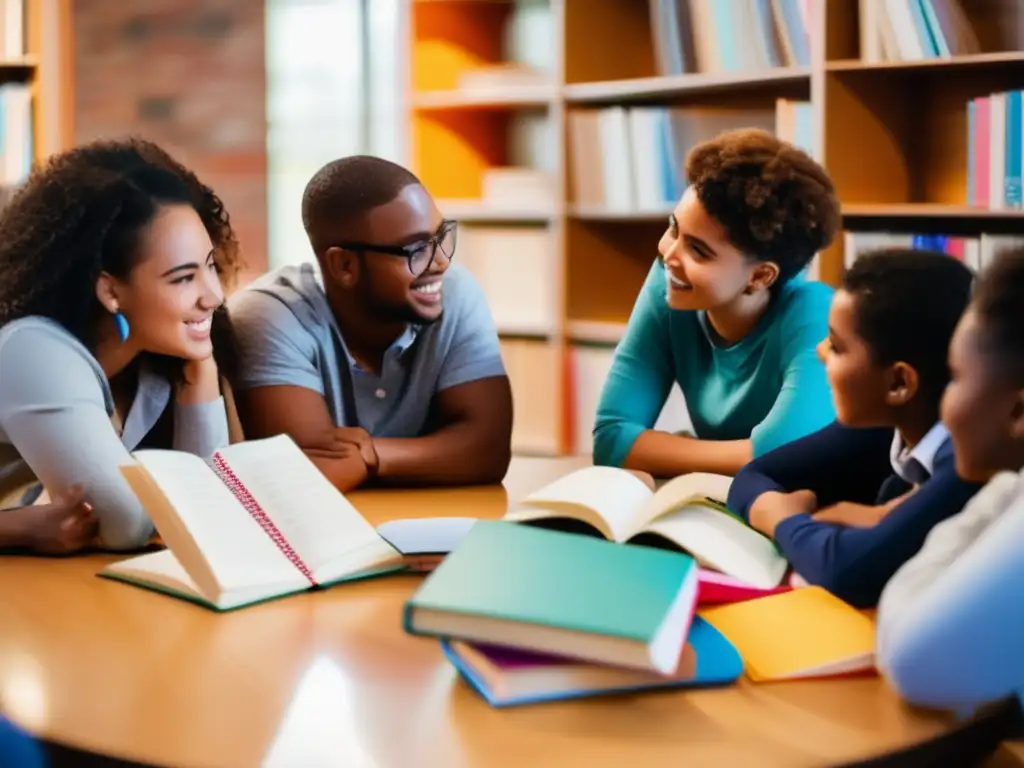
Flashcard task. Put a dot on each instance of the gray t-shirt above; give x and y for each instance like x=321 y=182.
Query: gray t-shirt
x=55 y=425
x=287 y=335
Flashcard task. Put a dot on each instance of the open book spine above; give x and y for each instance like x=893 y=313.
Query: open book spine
x=237 y=487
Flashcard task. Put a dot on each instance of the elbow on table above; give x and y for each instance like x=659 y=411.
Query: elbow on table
x=607 y=445
x=495 y=467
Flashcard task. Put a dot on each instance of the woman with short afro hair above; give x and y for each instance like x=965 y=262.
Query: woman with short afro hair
x=727 y=314
x=112 y=257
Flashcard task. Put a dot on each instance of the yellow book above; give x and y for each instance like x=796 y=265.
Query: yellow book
x=807 y=632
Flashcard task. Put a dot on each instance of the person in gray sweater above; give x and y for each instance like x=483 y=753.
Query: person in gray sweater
x=951 y=620
x=113 y=264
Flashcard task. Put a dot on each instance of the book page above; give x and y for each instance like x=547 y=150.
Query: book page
x=680 y=491
x=319 y=523
x=210 y=533
x=718 y=540
x=607 y=498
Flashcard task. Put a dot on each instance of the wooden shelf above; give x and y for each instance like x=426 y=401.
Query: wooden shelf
x=595 y=332
x=647 y=88
x=893 y=136
x=478 y=211
x=588 y=213
x=503 y=98
x=922 y=65
x=925 y=211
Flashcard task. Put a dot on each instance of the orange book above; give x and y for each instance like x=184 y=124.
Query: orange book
x=804 y=633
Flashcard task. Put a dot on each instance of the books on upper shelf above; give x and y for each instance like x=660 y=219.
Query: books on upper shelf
x=687 y=513
x=17 y=147
x=559 y=593
x=913 y=30
x=256 y=521
x=802 y=633
x=977 y=252
x=508 y=677
x=995 y=151
x=633 y=159
x=729 y=35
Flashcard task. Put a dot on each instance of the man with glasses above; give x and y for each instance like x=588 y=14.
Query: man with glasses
x=384 y=363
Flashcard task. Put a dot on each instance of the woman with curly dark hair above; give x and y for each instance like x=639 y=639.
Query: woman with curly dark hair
x=113 y=264
x=726 y=314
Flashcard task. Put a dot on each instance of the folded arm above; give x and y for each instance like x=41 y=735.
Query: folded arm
x=836 y=463
x=52 y=411
x=471 y=444
x=951 y=621
x=855 y=563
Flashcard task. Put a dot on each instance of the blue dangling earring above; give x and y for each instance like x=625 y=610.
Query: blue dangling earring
x=122 y=325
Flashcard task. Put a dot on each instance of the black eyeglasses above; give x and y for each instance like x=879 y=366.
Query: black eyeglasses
x=419 y=256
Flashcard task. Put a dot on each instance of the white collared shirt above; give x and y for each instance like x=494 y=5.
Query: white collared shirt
x=908 y=464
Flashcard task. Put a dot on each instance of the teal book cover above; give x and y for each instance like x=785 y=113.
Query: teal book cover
x=529 y=575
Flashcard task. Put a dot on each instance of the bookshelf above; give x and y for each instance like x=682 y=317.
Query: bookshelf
x=36 y=85
x=891 y=107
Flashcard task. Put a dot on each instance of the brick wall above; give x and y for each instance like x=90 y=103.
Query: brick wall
x=189 y=75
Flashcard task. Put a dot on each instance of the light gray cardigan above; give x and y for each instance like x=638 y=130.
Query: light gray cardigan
x=55 y=425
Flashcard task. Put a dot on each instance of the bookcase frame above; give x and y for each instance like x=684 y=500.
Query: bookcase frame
x=893 y=135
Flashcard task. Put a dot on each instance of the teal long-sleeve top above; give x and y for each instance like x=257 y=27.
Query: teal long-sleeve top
x=769 y=387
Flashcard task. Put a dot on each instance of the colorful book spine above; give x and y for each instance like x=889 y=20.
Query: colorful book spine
x=256 y=511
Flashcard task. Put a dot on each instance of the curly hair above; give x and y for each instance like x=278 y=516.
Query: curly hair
x=776 y=203
x=81 y=214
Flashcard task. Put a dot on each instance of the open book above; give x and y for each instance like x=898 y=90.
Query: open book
x=256 y=521
x=686 y=513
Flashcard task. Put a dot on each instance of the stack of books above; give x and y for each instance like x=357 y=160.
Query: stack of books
x=600 y=584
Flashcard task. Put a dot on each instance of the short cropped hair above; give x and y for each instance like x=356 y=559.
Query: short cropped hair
x=908 y=303
x=998 y=302
x=776 y=203
x=348 y=188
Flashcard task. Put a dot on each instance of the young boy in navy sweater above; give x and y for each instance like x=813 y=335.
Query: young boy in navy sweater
x=849 y=504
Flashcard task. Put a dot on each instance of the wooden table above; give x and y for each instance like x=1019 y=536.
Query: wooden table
x=332 y=679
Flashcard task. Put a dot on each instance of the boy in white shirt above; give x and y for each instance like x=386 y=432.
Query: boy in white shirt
x=951 y=620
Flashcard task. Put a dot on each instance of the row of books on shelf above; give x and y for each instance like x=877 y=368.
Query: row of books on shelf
x=912 y=30
x=596 y=583
x=729 y=35
x=16 y=143
x=12 y=29
x=976 y=251
x=995 y=151
x=627 y=159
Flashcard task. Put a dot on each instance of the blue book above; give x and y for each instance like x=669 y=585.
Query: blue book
x=506 y=677
x=1014 y=158
x=560 y=593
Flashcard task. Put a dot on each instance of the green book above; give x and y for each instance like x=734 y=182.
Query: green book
x=687 y=513
x=256 y=521
x=560 y=593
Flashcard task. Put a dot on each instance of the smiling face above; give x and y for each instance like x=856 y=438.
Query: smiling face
x=983 y=406
x=395 y=258
x=703 y=270
x=172 y=290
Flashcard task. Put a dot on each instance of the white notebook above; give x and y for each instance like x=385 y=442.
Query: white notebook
x=256 y=521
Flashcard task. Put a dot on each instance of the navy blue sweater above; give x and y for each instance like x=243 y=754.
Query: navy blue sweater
x=838 y=464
